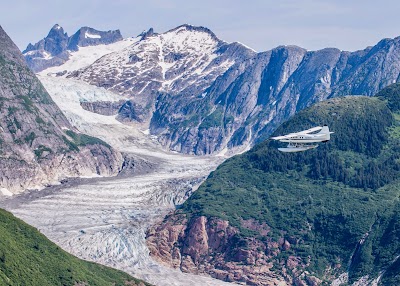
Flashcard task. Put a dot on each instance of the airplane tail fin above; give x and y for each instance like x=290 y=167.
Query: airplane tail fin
x=325 y=130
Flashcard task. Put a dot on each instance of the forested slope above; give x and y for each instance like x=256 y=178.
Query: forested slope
x=29 y=258
x=308 y=216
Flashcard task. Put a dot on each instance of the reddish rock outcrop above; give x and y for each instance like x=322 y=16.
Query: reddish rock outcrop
x=214 y=247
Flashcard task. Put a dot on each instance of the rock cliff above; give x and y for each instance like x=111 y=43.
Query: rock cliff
x=38 y=146
x=214 y=247
x=249 y=101
x=55 y=48
x=103 y=107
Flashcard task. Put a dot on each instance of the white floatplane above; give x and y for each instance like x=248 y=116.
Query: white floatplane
x=303 y=140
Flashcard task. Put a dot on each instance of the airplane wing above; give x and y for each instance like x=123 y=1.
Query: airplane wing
x=290 y=135
x=309 y=130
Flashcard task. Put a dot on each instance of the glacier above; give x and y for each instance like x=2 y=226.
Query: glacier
x=105 y=219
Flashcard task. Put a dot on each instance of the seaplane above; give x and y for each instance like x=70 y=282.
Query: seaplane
x=304 y=140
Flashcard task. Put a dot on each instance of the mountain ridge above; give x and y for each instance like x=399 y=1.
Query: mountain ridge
x=38 y=144
x=216 y=97
x=310 y=218
x=55 y=48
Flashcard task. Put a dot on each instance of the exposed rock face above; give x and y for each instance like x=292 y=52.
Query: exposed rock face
x=55 y=43
x=146 y=34
x=202 y=95
x=54 y=49
x=252 y=98
x=37 y=144
x=212 y=246
x=87 y=36
x=183 y=62
x=103 y=107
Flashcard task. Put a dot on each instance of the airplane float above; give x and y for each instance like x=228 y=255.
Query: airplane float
x=303 y=140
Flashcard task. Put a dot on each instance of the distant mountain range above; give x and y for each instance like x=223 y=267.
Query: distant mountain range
x=54 y=49
x=201 y=95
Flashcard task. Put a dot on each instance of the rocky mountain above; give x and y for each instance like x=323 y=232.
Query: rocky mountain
x=182 y=61
x=201 y=95
x=87 y=36
x=329 y=215
x=55 y=48
x=248 y=102
x=27 y=257
x=38 y=145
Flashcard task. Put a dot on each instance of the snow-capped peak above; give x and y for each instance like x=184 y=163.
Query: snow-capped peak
x=145 y=34
x=59 y=45
x=56 y=27
x=186 y=56
x=86 y=56
x=57 y=32
x=183 y=60
x=191 y=28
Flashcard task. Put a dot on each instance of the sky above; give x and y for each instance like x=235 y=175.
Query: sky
x=260 y=24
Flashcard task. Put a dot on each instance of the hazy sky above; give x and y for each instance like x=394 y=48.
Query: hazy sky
x=262 y=25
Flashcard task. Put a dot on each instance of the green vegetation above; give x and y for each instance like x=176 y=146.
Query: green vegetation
x=11 y=128
x=83 y=139
x=2 y=60
x=30 y=91
x=29 y=138
x=40 y=150
x=71 y=145
x=228 y=120
x=324 y=200
x=17 y=123
x=28 y=258
x=27 y=103
x=213 y=120
x=39 y=120
x=79 y=139
x=40 y=94
x=392 y=95
x=189 y=121
x=12 y=110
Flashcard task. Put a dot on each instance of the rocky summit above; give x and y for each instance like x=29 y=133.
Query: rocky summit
x=55 y=48
x=200 y=95
x=38 y=146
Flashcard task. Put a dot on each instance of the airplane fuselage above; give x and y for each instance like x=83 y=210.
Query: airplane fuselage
x=307 y=139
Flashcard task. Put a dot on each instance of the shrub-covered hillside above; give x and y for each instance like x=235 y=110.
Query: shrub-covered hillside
x=28 y=258
x=337 y=205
